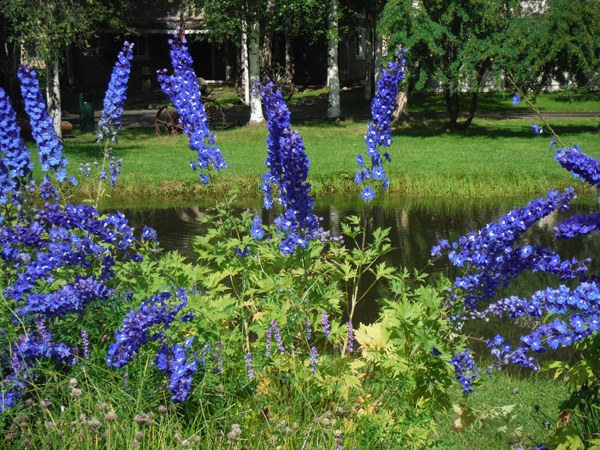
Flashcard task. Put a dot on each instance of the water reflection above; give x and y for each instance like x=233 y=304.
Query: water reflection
x=416 y=226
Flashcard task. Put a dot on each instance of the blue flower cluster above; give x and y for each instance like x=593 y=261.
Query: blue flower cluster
x=494 y=261
x=15 y=159
x=537 y=130
x=42 y=129
x=110 y=121
x=182 y=89
x=580 y=165
x=287 y=170
x=57 y=240
x=380 y=131
x=137 y=325
x=26 y=353
x=516 y=99
x=464 y=367
x=181 y=369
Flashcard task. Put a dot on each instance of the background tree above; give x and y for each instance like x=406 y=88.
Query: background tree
x=451 y=41
x=454 y=42
x=560 y=42
x=46 y=28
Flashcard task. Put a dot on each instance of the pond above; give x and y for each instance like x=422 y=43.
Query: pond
x=416 y=225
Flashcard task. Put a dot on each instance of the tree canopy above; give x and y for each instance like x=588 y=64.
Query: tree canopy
x=455 y=42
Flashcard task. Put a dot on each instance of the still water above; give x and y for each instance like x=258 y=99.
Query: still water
x=416 y=225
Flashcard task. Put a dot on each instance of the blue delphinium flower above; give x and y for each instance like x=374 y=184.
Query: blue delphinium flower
x=243 y=253
x=149 y=234
x=287 y=170
x=114 y=99
x=182 y=88
x=175 y=362
x=137 y=325
x=42 y=129
x=536 y=130
x=516 y=99
x=464 y=367
x=257 y=229
x=379 y=133
x=15 y=161
x=367 y=194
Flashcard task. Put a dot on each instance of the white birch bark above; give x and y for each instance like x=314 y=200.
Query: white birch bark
x=53 y=97
x=333 y=71
x=245 y=71
x=256 y=114
x=378 y=58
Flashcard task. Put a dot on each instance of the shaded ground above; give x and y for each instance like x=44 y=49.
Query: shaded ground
x=309 y=110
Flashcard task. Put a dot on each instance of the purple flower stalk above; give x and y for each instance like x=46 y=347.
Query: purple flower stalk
x=313 y=359
x=275 y=327
x=350 y=337
x=326 y=326
x=110 y=121
x=379 y=133
x=287 y=170
x=86 y=344
x=42 y=129
x=15 y=160
x=249 y=365
x=182 y=88
x=308 y=327
x=464 y=367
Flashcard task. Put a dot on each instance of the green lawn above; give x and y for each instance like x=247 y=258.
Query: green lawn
x=490 y=158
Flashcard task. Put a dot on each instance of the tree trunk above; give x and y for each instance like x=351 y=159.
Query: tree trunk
x=53 y=96
x=452 y=105
x=266 y=50
x=377 y=64
x=256 y=114
x=333 y=72
x=401 y=110
x=289 y=52
x=368 y=60
x=473 y=107
x=245 y=69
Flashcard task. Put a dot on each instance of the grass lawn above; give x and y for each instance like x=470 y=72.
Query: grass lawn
x=490 y=158
x=534 y=397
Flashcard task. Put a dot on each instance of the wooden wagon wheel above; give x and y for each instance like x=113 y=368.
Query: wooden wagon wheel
x=282 y=78
x=215 y=113
x=167 y=121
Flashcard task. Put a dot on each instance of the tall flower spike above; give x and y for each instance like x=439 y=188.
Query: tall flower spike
x=15 y=161
x=110 y=121
x=287 y=169
x=379 y=133
x=50 y=148
x=182 y=88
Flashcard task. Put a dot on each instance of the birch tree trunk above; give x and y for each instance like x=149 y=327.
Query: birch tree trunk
x=377 y=63
x=368 y=62
x=245 y=69
x=53 y=96
x=256 y=114
x=333 y=72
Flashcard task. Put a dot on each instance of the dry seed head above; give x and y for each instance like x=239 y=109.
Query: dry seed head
x=50 y=426
x=234 y=434
x=82 y=417
x=73 y=383
x=29 y=403
x=22 y=418
x=334 y=422
x=102 y=407
x=296 y=425
x=273 y=440
x=328 y=415
x=162 y=410
x=177 y=436
x=75 y=393
x=288 y=431
x=110 y=417
x=94 y=424
x=139 y=435
x=340 y=411
x=273 y=421
x=139 y=419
